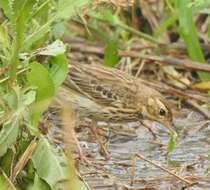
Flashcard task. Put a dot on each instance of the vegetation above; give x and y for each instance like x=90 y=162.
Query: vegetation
x=29 y=34
x=34 y=64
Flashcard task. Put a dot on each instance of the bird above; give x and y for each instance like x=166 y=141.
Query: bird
x=108 y=94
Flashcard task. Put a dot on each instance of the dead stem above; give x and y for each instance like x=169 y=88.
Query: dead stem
x=164 y=169
x=199 y=108
x=24 y=159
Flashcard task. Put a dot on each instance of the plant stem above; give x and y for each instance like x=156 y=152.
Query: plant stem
x=14 y=59
x=129 y=29
x=16 y=46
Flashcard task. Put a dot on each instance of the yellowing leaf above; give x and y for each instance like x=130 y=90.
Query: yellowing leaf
x=205 y=86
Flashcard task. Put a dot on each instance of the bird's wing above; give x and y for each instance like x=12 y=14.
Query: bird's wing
x=106 y=86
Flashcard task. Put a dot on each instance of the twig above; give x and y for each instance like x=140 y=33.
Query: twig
x=199 y=108
x=7 y=184
x=191 y=65
x=183 y=47
x=24 y=159
x=133 y=170
x=140 y=68
x=19 y=72
x=125 y=187
x=167 y=60
x=164 y=169
x=176 y=92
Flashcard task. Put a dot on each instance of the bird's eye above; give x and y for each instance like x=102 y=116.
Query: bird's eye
x=162 y=112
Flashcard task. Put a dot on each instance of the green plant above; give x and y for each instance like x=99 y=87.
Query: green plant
x=27 y=86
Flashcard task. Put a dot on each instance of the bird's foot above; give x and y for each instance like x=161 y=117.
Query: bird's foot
x=103 y=149
x=83 y=158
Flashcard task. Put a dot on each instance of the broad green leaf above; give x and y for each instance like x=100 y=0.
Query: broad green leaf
x=50 y=164
x=205 y=11
x=54 y=49
x=66 y=9
x=59 y=69
x=21 y=14
x=59 y=30
x=23 y=9
x=69 y=8
x=108 y=16
x=188 y=33
x=198 y=5
x=6 y=161
x=111 y=51
x=39 y=77
x=8 y=134
x=39 y=184
x=41 y=13
x=5 y=183
x=11 y=99
x=172 y=142
x=5 y=5
x=28 y=97
x=37 y=35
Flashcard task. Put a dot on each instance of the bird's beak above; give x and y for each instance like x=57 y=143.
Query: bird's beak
x=168 y=125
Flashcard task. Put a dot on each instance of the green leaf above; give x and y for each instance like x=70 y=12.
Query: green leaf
x=8 y=134
x=69 y=8
x=29 y=97
x=11 y=99
x=204 y=86
x=5 y=183
x=6 y=161
x=42 y=11
x=5 y=5
x=205 y=11
x=59 y=29
x=172 y=142
x=66 y=9
x=54 y=49
x=39 y=77
x=39 y=184
x=59 y=69
x=50 y=164
x=4 y=37
x=166 y=24
x=109 y=17
x=111 y=51
x=188 y=33
x=22 y=9
x=37 y=35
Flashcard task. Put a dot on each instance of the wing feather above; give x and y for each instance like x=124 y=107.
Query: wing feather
x=103 y=85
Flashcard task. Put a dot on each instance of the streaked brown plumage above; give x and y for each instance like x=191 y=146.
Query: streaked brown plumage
x=108 y=94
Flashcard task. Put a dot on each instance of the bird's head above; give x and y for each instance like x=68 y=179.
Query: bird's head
x=156 y=109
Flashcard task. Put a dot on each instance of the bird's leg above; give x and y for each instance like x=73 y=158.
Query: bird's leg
x=149 y=129
x=103 y=149
x=82 y=157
